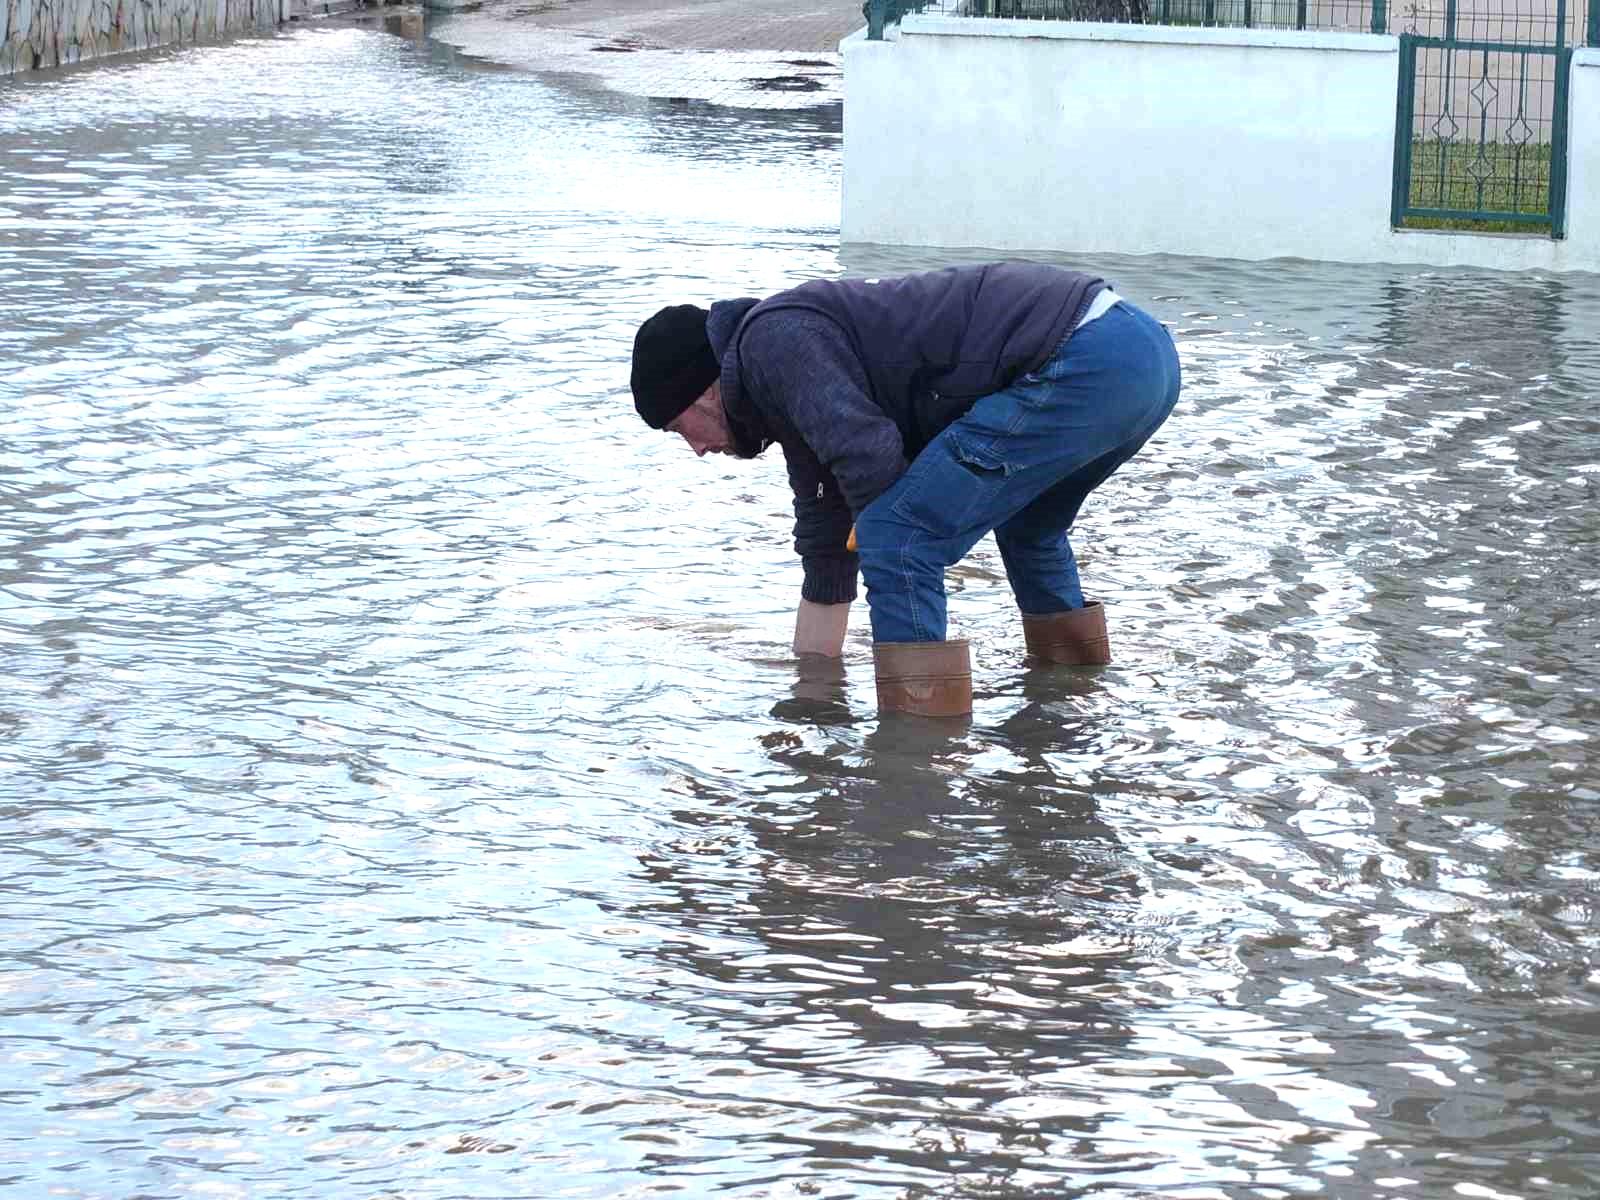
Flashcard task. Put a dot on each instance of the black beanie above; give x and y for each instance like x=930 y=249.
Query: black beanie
x=672 y=363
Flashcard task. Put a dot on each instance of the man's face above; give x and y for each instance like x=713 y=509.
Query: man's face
x=703 y=424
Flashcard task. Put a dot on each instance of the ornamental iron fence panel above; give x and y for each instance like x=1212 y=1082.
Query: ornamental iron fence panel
x=1481 y=115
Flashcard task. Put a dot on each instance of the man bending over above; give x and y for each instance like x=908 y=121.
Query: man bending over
x=916 y=415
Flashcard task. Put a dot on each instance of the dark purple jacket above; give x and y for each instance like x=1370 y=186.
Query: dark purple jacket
x=854 y=377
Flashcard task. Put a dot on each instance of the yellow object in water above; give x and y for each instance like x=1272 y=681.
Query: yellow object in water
x=850 y=542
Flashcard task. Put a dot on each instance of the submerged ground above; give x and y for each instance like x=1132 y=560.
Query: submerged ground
x=405 y=789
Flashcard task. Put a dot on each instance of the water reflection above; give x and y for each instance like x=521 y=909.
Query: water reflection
x=915 y=950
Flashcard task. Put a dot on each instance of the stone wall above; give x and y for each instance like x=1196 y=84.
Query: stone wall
x=36 y=34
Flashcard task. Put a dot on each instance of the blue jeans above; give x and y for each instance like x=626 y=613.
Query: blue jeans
x=1020 y=463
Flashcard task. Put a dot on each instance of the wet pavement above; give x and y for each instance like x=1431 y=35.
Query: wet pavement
x=406 y=790
x=787 y=25
x=742 y=53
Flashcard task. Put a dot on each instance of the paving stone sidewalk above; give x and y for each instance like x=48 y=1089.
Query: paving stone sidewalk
x=798 y=25
x=746 y=53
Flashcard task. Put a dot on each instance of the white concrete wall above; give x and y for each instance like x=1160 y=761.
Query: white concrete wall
x=1583 y=161
x=1231 y=143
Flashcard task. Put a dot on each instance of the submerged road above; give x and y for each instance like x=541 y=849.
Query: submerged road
x=406 y=787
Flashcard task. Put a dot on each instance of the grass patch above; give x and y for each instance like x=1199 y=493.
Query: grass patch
x=1491 y=177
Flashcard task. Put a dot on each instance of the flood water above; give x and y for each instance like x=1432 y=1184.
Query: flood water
x=406 y=790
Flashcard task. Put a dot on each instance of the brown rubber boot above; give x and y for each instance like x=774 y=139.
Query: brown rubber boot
x=926 y=679
x=1075 y=638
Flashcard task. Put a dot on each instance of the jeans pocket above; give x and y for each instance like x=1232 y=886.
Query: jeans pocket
x=952 y=486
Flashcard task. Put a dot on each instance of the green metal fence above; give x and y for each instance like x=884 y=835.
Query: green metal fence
x=1356 y=16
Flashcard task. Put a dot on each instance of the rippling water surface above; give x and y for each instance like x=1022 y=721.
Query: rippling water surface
x=407 y=791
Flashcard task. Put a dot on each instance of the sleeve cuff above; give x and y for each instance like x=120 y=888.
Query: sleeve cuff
x=830 y=579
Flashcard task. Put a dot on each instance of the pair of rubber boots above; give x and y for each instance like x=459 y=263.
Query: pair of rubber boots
x=934 y=679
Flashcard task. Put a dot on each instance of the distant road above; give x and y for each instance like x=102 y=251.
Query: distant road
x=744 y=53
x=786 y=25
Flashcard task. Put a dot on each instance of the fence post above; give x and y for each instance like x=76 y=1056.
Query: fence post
x=1380 y=16
x=1559 y=142
x=875 y=16
x=1404 y=127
